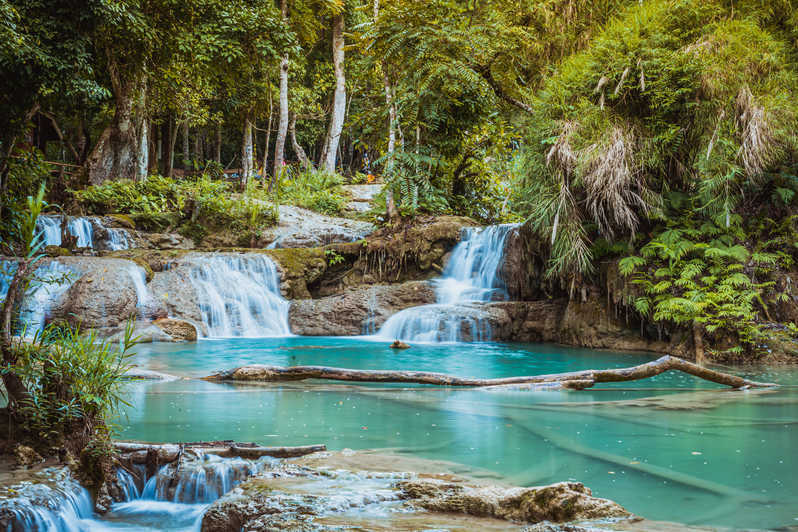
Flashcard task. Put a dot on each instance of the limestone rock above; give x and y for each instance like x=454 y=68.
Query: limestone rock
x=561 y=502
x=26 y=456
x=178 y=330
x=360 y=310
x=298 y=268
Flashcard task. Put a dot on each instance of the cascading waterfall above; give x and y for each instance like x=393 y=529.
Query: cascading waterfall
x=49 y=282
x=50 y=229
x=117 y=239
x=470 y=277
x=175 y=498
x=58 y=504
x=83 y=230
x=144 y=299
x=239 y=295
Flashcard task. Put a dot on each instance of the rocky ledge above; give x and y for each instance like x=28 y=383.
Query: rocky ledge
x=327 y=490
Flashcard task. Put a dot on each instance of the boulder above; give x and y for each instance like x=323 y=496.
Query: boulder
x=178 y=330
x=172 y=288
x=559 y=503
x=103 y=296
x=360 y=310
x=298 y=268
x=302 y=228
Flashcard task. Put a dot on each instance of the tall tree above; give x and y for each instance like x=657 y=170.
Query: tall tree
x=339 y=97
x=282 y=125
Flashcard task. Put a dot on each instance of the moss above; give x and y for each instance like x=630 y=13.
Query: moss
x=155 y=222
x=55 y=251
x=193 y=230
x=123 y=220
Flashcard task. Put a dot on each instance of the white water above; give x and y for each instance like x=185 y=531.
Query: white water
x=118 y=239
x=50 y=228
x=83 y=230
x=239 y=295
x=144 y=299
x=174 y=499
x=470 y=277
x=47 y=285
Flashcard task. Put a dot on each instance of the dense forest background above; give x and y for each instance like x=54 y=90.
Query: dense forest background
x=647 y=143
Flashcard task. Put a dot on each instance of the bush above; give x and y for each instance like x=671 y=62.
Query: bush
x=159 y=203
x=74 y=381
x=318 y=191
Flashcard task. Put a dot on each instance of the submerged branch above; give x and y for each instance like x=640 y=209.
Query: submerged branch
x=574 y=380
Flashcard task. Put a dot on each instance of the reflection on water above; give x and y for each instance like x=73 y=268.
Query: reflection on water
x=668 y=448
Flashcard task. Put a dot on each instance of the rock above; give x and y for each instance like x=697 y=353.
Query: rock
x=165 y=241
x=173 y=289
x=25 y=456
x=408 y=251
x=103 y=296
x=302 y=228
x=144 y=331
x=398 y=344
x=119 y=220
x=179 y=330
x=298 y=268
x=56 y=251
x=360 y=310
x=561 y=502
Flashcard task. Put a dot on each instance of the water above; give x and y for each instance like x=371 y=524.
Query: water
x=669 y=448
x=470 y=277
x=118 y=239
x=239 y=295
x=84 y=231
x=144 y=299
x=50 y=229
x=49 y=282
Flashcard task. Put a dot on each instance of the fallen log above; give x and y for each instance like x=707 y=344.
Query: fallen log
x=169 y=452
x=574 y=380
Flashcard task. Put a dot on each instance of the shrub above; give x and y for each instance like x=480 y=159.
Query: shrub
x=318 y=191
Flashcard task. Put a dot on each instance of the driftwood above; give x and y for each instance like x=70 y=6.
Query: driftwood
x=169 y=452
x=573 y=380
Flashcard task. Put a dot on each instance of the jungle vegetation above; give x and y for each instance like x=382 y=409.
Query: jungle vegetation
x=655 y=139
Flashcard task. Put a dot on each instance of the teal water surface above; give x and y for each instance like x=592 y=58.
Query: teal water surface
x=669 y=448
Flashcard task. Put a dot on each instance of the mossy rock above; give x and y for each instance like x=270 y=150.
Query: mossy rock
x=299 y=267
x=56 y=251
x=122 y=220
x=155 y=222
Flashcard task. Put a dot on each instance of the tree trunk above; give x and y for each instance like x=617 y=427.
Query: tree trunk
x=15 y=388
x=218 y=155
x=246 y=152
x=575 y=379
x=300 y=153
x=282 y=126
x=186 y=151
x=144 y=152
x=698 y=343
x=339 y=98
x=267 y=141
x=170 y=155
x=115 y=154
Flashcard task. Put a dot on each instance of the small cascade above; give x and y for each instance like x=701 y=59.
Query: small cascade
x=470 y=277
x=48 y=284
x=369 y=326
x=144 y=299
x=58 y=503
x=82 y=229
x=239 y=295
x=117 y=239
x=178 y=494
x=50 y=228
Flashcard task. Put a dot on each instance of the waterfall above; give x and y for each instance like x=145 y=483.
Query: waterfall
x=118 y=239
x=144 y=299
x=239 y=295
x=470 y=277
x=50 y=228
x=58 y=504
x=176 y=497
x=49 y=282
x=83 y=230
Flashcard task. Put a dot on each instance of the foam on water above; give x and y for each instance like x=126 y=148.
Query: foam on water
x=471 y=276
x=239 y=295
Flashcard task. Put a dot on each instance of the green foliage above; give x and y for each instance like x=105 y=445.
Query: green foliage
x=198 y=207
x=316 y=190
x=333 y=257
x=71 y=378
x=26 y=173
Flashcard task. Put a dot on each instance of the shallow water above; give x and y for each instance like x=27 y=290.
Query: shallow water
x=669 y=448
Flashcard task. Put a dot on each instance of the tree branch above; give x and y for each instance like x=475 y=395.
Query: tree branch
x=576 y=379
